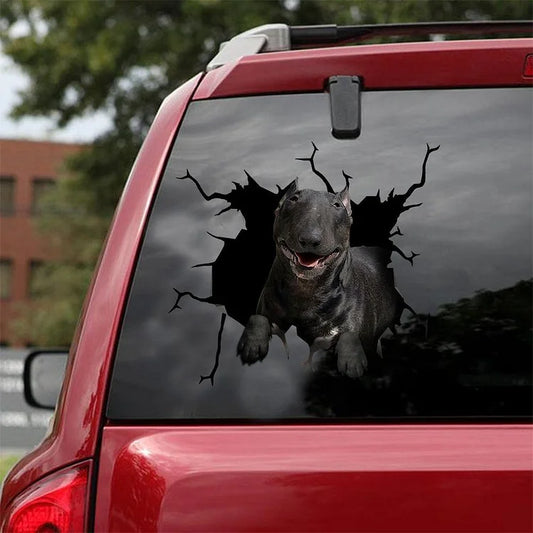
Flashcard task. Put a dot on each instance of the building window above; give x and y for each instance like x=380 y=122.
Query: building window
x=34 y=289
x=7 y=195
x=6 y=276
x=40 y=189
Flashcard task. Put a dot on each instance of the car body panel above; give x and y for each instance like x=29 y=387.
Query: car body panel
x=402 y=66
x=315 y=478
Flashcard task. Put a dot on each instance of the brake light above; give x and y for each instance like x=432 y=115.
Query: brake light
x=56 y=504
x=528 y=66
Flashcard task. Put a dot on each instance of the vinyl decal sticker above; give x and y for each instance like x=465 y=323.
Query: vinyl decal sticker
x=320 y=264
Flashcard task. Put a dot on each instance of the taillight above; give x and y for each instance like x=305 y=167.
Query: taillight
x=528 y=66
x=55 y=504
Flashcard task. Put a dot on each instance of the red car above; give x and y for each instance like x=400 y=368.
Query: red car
x=348 y=352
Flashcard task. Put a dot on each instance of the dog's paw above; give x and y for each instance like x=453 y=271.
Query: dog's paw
x=351 y=358
x=253 y=345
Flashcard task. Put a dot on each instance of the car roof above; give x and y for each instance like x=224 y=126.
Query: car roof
x=281 y=37
x=419 y=65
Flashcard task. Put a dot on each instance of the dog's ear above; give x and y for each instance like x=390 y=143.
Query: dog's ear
x=288 y=191
x=344 y=197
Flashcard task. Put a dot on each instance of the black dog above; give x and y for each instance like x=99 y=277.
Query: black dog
x=336 y=296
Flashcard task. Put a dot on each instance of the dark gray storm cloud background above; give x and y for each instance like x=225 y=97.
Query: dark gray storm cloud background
x=472 y=232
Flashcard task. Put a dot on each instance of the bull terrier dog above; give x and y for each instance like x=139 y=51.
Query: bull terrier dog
x=338 y=297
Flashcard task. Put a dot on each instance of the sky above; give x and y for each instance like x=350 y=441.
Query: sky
x=12 y=81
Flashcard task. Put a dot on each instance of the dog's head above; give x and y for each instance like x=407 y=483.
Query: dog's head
x=312 y=229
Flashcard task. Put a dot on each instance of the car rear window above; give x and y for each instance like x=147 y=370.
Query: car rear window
x=440 y=195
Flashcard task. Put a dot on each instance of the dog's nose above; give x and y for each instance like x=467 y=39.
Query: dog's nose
x=310 y=239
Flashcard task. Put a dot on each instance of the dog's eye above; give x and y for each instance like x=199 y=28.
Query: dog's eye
x=294 y=198
x=337 y=205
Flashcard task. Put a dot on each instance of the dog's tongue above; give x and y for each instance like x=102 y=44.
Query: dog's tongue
x=308 y=260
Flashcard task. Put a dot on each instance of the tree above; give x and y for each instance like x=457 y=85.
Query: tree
x=471 y=358
x=125 y=57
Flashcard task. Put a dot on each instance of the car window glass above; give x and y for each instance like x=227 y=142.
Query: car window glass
x=459 y=246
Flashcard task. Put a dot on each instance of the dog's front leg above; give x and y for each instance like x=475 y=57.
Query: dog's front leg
x=253 y=345
x=351 y=358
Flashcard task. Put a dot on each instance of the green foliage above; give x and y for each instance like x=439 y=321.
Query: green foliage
x=482 y=340
x=6 y=463
x=471 y=358
x=49 y=319
x=74 y=231
x=124 y=57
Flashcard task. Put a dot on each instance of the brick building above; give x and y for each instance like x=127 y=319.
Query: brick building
x=28 y=169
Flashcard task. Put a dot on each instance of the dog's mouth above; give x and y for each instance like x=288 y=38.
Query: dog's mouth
x=307 y=260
